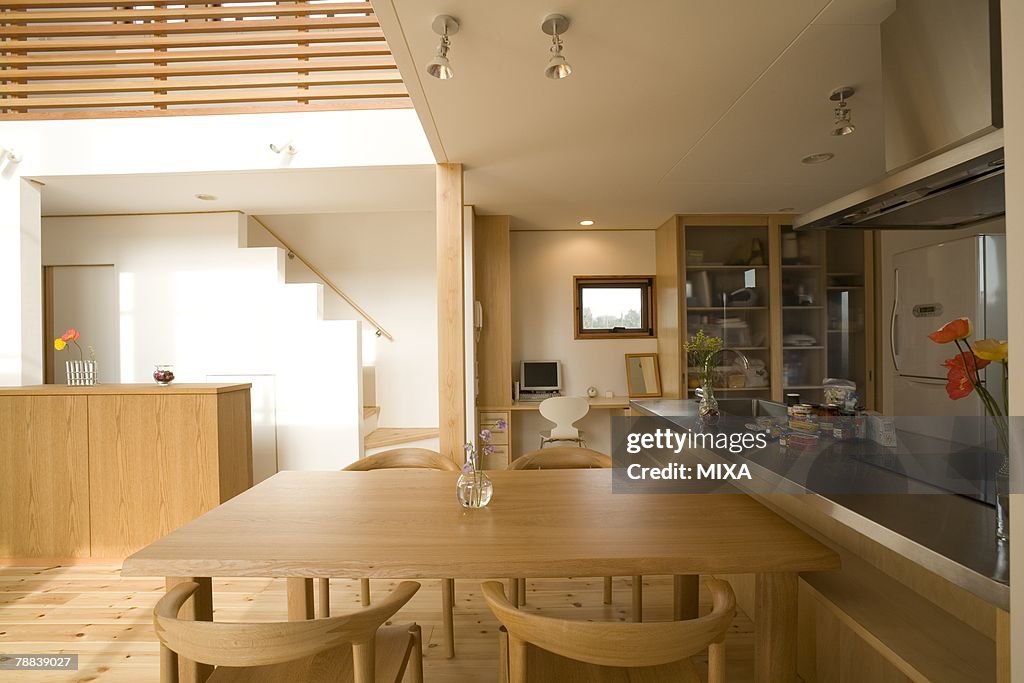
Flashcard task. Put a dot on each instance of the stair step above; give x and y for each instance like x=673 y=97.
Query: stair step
x=392 y=436
x=370 y=411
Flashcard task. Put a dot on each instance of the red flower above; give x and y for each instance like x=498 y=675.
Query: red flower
x=954 y=330
x=964 y=362
x=70 y=335
x=961 y=369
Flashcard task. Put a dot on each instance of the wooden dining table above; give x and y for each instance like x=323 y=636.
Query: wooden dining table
x=540 y=524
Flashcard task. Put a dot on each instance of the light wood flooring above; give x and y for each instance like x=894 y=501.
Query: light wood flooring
x=91 y=610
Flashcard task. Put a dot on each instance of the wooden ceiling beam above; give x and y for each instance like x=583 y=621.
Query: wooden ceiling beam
x=152 y=28
x=192 y=12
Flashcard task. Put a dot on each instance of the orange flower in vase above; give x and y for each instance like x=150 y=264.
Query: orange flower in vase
x=72 y=335
x=963 y=378
x=954 y=331
x=962 y=372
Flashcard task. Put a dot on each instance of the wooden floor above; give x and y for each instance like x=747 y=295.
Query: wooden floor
x=90 y=610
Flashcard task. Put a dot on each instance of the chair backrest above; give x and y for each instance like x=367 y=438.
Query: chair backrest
x=404 y=458
x=618 y=644
x=561 y=458
x=564 y=411
x=260 y=644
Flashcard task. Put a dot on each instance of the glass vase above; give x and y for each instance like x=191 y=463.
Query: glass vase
x=474 y=488
x=1003 y=501
x=707 y=409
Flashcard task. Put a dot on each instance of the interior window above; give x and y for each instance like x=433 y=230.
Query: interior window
x=614 y=307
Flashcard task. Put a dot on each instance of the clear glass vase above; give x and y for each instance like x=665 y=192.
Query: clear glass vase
x=707 y=409
x=1003 y=501
x=474 y=488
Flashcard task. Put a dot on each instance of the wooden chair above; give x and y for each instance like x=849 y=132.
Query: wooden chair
x=562 y=458
x=536 y=648
x=354 y=647
x=403 y=458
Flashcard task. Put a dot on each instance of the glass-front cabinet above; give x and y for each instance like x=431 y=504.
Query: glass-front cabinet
x=804 y=341
x=728 y=295
x=793 y=308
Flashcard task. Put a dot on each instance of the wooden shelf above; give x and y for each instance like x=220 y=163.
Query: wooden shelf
x=804 y=386
x=841 y=287
x=720 y=389
x=802 y=348
x=802 y=308
x=919 y=638
x=809 y=266
x=722 y=267
x=716 y=309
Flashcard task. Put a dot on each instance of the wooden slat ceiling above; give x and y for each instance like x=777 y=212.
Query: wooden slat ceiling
x=91 y=58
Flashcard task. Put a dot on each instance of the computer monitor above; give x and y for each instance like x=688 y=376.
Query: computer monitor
x=540 y=375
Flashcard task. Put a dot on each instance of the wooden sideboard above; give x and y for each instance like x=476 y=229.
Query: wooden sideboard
x=105 y=470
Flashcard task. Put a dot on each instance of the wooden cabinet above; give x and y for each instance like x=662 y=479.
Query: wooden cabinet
x=794 y=307
x=103 y=471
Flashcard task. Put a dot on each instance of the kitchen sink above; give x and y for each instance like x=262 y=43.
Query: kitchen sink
x=750 y=407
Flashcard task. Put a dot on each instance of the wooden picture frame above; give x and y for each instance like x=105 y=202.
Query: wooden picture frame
x=643 y=375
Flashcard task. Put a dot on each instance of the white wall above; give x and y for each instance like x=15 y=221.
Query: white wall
x=543 y=266
x=893 y=242
x=386 y=263
x=187 y=295
x=174 y=144
x=85 y=298
x=21 y=309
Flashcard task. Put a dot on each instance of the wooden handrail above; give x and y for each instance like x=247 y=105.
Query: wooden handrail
x=326 y=280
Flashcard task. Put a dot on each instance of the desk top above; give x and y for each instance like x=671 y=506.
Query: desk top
x=540 y=523
x=598 y=402
x=115 y=389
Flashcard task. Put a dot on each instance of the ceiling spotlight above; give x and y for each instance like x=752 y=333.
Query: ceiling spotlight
x=444 y=26
x=586 y=222
x=842 y=124
x=819 y=158
x=555 y=25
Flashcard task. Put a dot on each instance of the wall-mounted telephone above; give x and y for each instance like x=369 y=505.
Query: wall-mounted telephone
x=478 y=319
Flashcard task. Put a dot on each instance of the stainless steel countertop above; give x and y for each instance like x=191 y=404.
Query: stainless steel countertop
x=950 y=535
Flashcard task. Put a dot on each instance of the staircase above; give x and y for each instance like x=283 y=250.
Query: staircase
x=374 y=438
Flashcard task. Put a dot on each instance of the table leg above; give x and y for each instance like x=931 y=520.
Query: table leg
x=448 y=598
x=197 y=608
x=638 y=599
x=300 y=599
x=685 y=597
x=775 y=609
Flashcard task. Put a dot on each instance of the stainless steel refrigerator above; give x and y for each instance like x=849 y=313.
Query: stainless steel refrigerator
x=965 y=277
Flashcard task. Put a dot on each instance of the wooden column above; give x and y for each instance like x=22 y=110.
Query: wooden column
x=671 y=322
x=775 y=607
x=493 y=282
x=451 y=346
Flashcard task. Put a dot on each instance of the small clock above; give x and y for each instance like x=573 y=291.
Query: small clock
x=591 y=392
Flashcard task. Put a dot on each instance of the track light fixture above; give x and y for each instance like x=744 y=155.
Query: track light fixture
x=444 y=26
x=288 y=148
x=555 y=25
x=842 y=124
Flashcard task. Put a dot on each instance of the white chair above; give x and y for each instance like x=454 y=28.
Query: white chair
x=564 y=411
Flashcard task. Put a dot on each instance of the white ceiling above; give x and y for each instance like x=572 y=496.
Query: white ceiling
x=701 y=106
x=343 y=190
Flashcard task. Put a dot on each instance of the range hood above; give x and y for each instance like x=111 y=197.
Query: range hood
x=942 y=106
x=955 y=189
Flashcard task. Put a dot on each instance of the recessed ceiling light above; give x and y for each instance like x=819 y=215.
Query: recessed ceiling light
x=818 y=158
x=786 y=209
x=206 y=197
x=586 y=221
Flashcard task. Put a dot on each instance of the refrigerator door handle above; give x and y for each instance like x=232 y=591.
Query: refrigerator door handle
x=893 y=318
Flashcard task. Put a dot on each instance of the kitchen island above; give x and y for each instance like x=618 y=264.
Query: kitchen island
x=924 y=588
x=101 y=471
